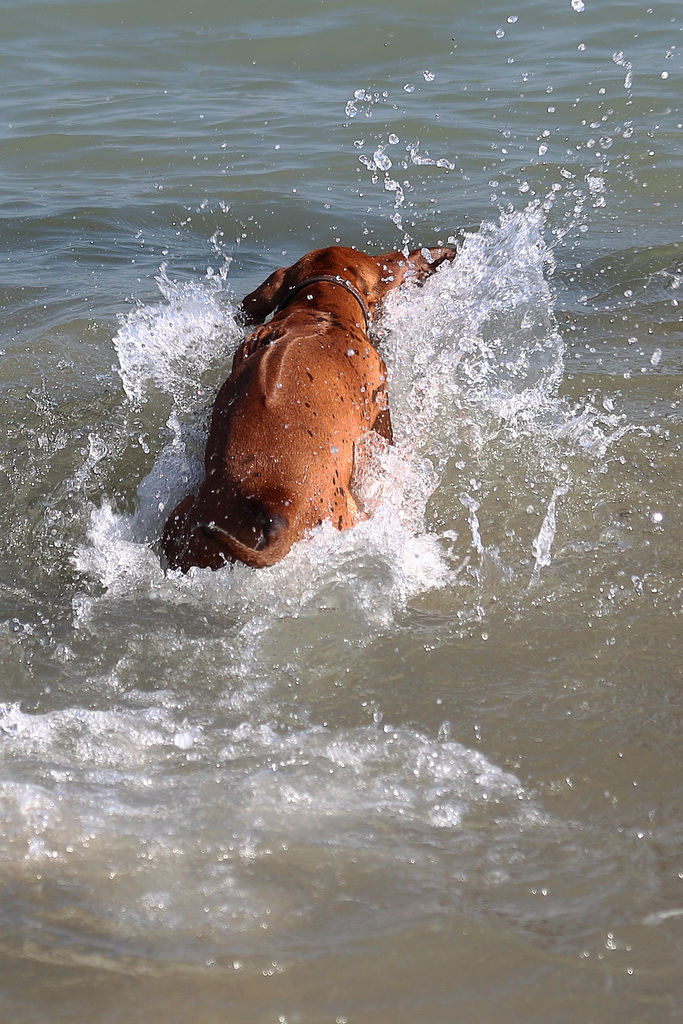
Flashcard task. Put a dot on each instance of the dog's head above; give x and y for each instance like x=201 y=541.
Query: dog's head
x=372 y=276
x=395 y=268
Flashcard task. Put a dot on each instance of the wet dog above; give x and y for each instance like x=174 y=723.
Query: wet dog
x=304 y=389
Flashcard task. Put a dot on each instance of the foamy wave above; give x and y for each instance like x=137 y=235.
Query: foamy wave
x=392 y=802
x=297 y=785
x=115 y=739
x=366 y=774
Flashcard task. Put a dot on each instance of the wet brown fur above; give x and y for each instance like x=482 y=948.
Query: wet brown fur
x=304 y=388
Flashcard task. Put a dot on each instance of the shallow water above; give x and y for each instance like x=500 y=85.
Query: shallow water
x=430 y=766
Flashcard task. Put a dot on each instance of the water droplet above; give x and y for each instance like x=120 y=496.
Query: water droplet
x=394 y=139
x=184 y=739
x=578 y=5
x=512 y=19
x=500 y=32
x=409 y=87
x=656 y=357
x=382 y=161
x=334 y=449
x=428 y=76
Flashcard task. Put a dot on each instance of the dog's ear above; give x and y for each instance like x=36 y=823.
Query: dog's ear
x=257 y=305
x=395 y=268
x=423 y=262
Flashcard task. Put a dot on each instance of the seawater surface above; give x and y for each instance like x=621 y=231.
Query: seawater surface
x=430 y=767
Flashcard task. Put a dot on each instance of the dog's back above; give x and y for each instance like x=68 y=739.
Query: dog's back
x=303 y=390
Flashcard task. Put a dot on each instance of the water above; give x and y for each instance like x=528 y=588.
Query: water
x=429 y=767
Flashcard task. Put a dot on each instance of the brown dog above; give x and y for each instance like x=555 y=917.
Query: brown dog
x=304 y=388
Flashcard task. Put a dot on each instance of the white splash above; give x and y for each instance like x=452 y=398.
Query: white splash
x=169 y=346
x=482 y=329
x=475 y=364
x=542 y=545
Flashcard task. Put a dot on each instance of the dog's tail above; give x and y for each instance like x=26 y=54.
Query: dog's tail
x=272 y=545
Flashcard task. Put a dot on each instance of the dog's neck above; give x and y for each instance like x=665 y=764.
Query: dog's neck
x=329 y=279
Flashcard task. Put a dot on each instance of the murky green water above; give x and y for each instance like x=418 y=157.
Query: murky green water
x=429 y=768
